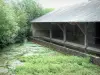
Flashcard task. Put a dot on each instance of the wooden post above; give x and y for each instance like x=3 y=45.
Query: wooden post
x=50 y=34
x=85 y=38
x=64 y=33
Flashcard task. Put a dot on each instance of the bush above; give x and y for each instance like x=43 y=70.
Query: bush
x=8 y=25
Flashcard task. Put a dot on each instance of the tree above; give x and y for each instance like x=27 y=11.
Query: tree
x=27 y=10
x=21 y=18
x=33 y=10
x=15 y=17
x=8 y=24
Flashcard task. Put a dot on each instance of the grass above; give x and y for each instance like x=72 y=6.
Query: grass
x=56 y=65
x=46 y=61
x=49 y=62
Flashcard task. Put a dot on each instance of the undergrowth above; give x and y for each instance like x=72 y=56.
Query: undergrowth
x=56 y=65
x=45 y=61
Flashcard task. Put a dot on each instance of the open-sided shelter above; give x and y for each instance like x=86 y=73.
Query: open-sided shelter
x=76 y=26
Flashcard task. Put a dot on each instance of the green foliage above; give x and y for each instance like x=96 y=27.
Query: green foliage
x=56 y=65
x=26 y=11
x=39 y=60
x=8 y=24
x=45 y=61
x=32 y=9
x=15 y=17
x=21 y=20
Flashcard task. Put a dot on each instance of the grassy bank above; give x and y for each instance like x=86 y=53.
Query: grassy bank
x=33 y=59
x=49 y=62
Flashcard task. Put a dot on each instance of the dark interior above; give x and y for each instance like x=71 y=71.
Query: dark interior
x=97 y=33
x=74 y=34
x=57 y=32
x=47 y=32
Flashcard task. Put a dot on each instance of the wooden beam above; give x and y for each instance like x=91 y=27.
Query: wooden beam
x=60 y=27
x=80 y=28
